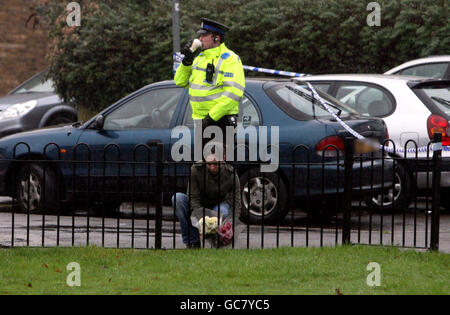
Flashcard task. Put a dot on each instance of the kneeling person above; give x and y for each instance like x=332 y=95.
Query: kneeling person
x=215 y=194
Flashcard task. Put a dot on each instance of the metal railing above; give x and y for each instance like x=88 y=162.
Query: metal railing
x=112 y=198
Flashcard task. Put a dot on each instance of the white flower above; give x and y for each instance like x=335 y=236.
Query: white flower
x=211 y=225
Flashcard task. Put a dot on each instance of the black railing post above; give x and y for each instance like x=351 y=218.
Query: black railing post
x=348 y=185
x=159 y=195
x=435 y=217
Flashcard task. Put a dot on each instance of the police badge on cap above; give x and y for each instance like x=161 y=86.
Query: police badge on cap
x=210 y=26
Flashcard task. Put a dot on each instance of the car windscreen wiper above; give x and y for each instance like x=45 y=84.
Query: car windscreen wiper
x=441 y=100
x=339 y=111
x=312 y=100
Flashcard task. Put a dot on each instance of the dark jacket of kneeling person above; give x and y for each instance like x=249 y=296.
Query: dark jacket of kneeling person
x=207 y=191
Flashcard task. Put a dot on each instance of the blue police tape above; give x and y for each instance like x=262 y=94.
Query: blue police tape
x=431 y=147
x=276 y=72
x=436 y=146
x=177 y=57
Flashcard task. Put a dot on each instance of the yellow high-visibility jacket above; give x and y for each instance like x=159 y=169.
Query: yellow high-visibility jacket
x=223 y=94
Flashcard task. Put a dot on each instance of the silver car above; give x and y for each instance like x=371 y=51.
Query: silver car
x=33 y=104
x=412 y=108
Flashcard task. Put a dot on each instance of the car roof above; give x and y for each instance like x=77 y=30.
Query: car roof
x=363 y=77
x=430 y=59
x=248 y=80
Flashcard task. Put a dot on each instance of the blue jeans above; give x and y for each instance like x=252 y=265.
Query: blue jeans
x=183 y=212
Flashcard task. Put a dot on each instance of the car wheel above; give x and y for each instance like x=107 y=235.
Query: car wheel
x=30 y=189
x=395 y=199
x=254 y=185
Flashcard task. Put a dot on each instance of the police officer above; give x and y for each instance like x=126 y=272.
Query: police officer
x=215 y=77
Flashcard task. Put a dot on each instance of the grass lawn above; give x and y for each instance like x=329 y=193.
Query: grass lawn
x=211 y=271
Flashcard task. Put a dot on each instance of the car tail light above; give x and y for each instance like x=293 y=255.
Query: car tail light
x=438 y=124
x=329 y=147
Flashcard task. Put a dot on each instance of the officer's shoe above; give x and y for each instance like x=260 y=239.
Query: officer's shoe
x=194 y=245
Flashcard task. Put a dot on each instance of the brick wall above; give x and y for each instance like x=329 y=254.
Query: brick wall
x=23 y=48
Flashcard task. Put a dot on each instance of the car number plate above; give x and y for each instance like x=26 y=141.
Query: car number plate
x=366 y=146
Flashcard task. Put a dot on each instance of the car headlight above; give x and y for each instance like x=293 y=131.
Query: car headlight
x=17 y=110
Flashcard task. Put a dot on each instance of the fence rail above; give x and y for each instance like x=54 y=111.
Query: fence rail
x=112 y=198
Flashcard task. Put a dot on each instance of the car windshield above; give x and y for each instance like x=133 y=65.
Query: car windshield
x=36 y=84
x=438 y=95
x=299 y=102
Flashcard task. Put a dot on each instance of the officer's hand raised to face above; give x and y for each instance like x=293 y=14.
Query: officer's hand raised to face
x=189 y=56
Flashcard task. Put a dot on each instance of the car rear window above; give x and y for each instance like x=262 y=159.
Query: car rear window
x=296 y=100
x=435 y=96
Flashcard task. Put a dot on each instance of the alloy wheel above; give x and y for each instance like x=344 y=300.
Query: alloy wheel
x=253 y=193
x=392 y=195
x=31 y=192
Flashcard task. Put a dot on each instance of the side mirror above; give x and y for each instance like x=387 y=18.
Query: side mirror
x=98 y=123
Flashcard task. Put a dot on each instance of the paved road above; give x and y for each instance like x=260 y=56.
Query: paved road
x=137 y=230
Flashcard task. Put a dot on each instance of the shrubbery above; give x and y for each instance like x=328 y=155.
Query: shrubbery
x=123 y=45
x=119 y=47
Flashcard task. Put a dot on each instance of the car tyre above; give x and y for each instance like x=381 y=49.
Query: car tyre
x=30 y=193
x=253 y=183
x=401 y=194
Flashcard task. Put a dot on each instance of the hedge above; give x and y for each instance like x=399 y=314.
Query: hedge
x=124 y=45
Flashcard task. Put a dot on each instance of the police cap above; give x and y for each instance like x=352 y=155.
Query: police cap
x=210 y=26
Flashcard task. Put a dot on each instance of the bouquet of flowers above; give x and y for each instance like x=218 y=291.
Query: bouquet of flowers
x=212 y=229
x=210 y=224
x=226 y=233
